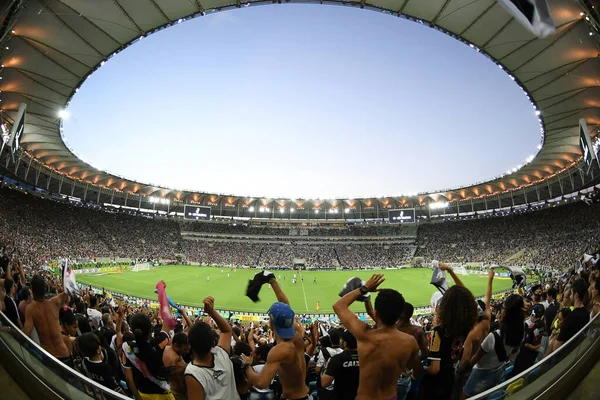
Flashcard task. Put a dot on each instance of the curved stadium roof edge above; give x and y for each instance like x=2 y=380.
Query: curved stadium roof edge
x=49 y=48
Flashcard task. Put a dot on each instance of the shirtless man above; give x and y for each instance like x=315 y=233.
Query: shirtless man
x=173 y=361
x=43 y=315
x=287 y=357
x=384 y=352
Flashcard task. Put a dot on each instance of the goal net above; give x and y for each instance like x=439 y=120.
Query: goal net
x=140 y=267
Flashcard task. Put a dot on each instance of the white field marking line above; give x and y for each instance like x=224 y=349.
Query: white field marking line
x=304 y=293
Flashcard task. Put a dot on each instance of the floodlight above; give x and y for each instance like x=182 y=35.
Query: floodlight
x=281 y=210
x=317 y=211
x=64 y=114
x=438 y=205
x=291 y=210
x=537 y=112
x=347 y=210
x=539 y=146
x=251 y=209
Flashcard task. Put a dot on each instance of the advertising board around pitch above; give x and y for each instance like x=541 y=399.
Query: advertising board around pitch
x=196 y=212
x=403 y=216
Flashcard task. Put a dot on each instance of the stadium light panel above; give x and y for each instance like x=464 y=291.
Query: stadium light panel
x=281 y=210
x=539 y=146
x=64 y=114
x=317 y=211
x=291 y=210
x=438 y=205
x=538 y=112
x=251 y=209
x=347 y=210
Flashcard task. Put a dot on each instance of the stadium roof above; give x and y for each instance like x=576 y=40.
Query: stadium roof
x=49 y=47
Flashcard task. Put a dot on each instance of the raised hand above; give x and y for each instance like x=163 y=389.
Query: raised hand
x=247 y=360
x=491 y=274
x=373 y=283
x=209 y=304
x=445 y=267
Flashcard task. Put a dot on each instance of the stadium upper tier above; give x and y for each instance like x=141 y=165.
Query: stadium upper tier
x=302 y=230
x=49 y=229
x=49 y=47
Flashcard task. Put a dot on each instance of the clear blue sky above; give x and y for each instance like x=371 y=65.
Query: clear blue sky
x=302 y=101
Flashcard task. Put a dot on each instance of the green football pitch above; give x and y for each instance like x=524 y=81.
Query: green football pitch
x=188 y=285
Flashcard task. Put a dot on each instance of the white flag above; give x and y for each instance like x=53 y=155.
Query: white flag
x=534 y=15
x=69 y=282
x=438 y=277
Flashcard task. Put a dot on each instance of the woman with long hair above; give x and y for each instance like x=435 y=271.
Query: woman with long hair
x=145 y=373
x=456 y=316
x=498 y=347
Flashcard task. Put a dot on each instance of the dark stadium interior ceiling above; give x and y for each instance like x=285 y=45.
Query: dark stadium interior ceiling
x=49 y=47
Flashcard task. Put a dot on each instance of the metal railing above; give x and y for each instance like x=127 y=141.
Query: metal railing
x=541 y=378
x=35 y=367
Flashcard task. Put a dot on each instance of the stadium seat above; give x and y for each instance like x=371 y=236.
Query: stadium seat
x=507 y=372
x=515 y=386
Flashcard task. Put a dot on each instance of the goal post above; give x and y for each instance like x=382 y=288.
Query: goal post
x=140 y=267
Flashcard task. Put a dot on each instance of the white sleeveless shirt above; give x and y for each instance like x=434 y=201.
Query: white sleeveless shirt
x=217 y=381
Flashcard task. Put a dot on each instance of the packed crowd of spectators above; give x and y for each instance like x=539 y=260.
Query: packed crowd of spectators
x=463 y=349
x=357 y=230
x=281 y=255
x=51 y=229
x=550 y=237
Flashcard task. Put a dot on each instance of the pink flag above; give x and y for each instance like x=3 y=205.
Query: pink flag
x=165 y=310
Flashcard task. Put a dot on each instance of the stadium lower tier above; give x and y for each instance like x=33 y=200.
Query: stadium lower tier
x=313 y=292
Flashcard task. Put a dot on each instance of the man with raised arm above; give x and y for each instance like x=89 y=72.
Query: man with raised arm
x=384 y=352
x=287 y=357
x=42 y=315
x=210 y=374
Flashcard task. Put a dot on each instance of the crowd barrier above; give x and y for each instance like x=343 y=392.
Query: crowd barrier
x=39 y=374
x=557 y=375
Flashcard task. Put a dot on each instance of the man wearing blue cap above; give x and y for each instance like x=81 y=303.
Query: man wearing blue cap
x=287 y=357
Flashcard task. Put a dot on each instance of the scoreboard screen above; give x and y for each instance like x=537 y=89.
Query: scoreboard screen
x=196 y=212
x=406 y=215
